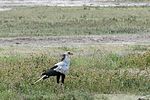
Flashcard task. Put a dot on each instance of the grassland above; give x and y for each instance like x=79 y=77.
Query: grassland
x=94 y=70
x=47 y=21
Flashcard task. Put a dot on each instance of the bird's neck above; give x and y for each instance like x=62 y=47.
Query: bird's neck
x=67 y=60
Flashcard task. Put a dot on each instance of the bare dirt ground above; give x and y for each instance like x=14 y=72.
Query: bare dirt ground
x=77 y=40
x=101 y=3
x=9 y=4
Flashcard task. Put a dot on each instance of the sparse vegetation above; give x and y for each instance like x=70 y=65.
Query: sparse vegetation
x=47 y=21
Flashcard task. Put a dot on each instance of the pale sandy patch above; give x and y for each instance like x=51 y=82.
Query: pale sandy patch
x=5 y=9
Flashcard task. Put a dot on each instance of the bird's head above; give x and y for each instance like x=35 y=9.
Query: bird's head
x=66 y=54
x=69 y=53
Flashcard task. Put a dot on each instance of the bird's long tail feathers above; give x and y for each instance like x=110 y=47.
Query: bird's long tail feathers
x=39 y=79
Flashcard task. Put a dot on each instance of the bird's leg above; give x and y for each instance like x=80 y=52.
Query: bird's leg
x=39 y=79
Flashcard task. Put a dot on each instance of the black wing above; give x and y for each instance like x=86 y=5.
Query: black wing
x=47 y=71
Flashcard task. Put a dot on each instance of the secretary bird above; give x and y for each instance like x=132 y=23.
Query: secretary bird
x=60 y=69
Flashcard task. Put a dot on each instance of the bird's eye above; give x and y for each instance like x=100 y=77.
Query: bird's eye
x=70 y=53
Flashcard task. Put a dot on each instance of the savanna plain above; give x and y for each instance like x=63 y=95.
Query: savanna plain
x=111 y=66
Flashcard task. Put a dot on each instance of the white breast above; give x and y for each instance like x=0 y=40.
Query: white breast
x=63 y=66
